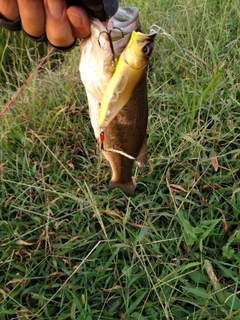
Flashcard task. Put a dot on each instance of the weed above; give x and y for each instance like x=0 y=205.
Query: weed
x=70 y=249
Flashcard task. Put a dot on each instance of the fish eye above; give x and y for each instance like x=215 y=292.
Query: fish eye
x=147 y=50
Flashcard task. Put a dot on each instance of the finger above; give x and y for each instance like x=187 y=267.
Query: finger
x=79 y=20
x=58 y=28
x=9 y=9
x=32 y=17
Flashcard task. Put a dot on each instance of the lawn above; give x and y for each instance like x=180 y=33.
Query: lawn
x=70 y=248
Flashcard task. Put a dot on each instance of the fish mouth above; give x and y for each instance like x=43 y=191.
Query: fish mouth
x=121 y=25
x=125 y=17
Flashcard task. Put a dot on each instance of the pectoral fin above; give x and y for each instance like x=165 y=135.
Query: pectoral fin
x=142 y=157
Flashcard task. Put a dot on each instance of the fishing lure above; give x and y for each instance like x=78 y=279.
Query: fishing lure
x=129 y=70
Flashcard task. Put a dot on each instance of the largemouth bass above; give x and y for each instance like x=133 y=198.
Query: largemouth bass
x=117 y=92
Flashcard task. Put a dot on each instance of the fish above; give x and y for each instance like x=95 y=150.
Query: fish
x=112 y=68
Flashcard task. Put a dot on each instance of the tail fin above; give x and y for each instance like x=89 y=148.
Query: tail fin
x=127 y=188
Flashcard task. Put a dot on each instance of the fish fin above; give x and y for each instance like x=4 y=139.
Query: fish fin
x=127 y=188
x=142 y=157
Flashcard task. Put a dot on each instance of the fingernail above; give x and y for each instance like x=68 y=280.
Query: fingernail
x=55 y=8
x=75 y=19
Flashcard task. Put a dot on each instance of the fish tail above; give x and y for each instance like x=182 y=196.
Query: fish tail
x=127 y=188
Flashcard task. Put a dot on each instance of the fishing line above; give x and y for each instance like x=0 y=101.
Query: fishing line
x=120 y=152
x=101 y=147
x=159 y=30
x=25 y=84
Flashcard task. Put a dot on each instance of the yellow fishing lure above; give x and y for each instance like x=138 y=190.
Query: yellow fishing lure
x=129 y=70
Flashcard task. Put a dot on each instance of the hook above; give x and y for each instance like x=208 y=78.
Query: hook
x=108 y=33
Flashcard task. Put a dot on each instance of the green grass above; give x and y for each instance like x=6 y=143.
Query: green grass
x=70 y=249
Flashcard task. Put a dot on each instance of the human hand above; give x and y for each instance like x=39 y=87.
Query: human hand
x=60 y=24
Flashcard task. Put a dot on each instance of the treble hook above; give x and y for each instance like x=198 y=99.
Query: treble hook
x=108 y=33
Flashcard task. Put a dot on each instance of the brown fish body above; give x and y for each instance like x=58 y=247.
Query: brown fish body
x=125 y=136
x=127 y=133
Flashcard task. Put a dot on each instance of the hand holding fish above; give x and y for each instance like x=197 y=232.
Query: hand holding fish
x=58 y=21
x=116 y=92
